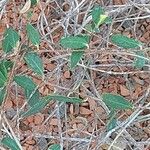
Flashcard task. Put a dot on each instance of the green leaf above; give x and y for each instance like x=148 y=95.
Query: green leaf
x=125 y=42
x=10 y=40
x=75 y=42
x=29 y=14
x=32 y=94
x=138 y=61
x=54 y=147
x=25 y=82
x=2 y=95
x=8 y=64
x=108 y=20
x=3 y=74
x=75 y=58
x=34 y=2
x=97 y=11
x=39 y=106
x=114 y=101
x=10 y=143
x=112 y=123
x=61 y=98
x=34 y=62
x=33 y=34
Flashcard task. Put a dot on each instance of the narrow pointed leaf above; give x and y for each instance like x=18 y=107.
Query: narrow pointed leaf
x=55 y=147
x=114 y=101
x=25 y=82
x=112 y=123
x=34 y=62
x=11 y=38
x=10 y=143
x=2 y=95
x=75 y=42
x=75 y=58
x=138 y=61
x=61 y=98
x=32 y=96
x=125 y=42
x=3 y=74
x=33 y=34
x=39 y=106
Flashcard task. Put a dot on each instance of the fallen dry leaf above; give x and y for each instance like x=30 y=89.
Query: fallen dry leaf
x=124 y=91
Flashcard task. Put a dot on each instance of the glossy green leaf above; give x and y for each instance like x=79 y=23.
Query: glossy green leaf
x=114 y=101
x=54 y=147
x=75 y=42
x=75 y=58
x=10 y=40
x=33 y=34
x=138 y=61
x=96 y=12
x=34 y=2
x=34 y=62
x=3 y=74
x=32 y=96
x=25 y=82
x=2 y=94
x=125 y=42
x=10 y=143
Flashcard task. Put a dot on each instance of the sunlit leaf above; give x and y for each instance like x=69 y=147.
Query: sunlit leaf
x=75 y=58
x=33 y=34
x=10 y=143
x=34 y=62
x=96 y=12
x=75 y=42
x=125 y=42
x=11 y=38
x=114 y=101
